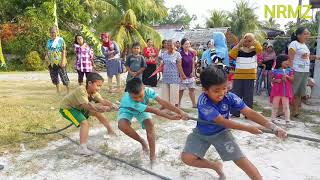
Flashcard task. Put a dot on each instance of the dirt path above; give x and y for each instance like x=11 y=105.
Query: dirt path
x=275 y=159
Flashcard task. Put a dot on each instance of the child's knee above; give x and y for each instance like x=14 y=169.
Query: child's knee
x=123 y=124
x=148 y=124
x=84 y=124
x=187 y=158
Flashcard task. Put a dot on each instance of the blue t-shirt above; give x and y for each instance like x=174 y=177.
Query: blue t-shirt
x=209 y=111
x=127 y=105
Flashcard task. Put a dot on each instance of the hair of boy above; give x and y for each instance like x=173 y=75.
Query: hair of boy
x=75 y=38
x=93 y=77
x=135 y=44
x=134 y=86
x=213 y=75
x=148 y=40
x=280 y=59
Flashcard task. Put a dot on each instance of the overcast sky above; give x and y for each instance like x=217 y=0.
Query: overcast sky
x=201 y=8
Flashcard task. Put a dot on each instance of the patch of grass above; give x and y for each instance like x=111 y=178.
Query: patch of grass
x=34 y=106
x=266 y=112
x=162 y=153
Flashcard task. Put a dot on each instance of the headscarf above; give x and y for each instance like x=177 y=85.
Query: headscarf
x=221 y=47
x=106 y=44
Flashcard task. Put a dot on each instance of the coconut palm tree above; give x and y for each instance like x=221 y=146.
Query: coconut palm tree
x=243 y=19
x=271 y=23
x=120 y=18
x=218 y=19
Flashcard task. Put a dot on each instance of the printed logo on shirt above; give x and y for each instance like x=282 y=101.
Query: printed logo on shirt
x=237 y=100
x=224 y=107
x=229 y=147
x=207 y=110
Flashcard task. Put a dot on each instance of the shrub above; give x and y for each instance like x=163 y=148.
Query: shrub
x=33 y=62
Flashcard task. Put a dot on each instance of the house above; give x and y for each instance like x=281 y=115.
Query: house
x=197 y=37
x=272 y=33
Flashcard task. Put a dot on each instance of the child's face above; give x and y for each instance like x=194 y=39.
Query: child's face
x=285 y=64
x=80 y=40
x=138 y=97
x=94 y=87
x=217 y=92
x=136 y=50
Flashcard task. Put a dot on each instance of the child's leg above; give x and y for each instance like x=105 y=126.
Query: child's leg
x=125 y=126
x=248 y=168
x=275 y=107
x=195 y=161
x=192 y=97
x=64 y=77
x=109 y=83
x=180 y=96
x=80 y=77
x=118 y=80
x=84 y=132
x=103 y=120
x=286 y=109
x=151 y=138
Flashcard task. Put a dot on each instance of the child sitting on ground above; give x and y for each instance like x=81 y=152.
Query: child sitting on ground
x=134 y=103
x=214 y=106
x=77 y=107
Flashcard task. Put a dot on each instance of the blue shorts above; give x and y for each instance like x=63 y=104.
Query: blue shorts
x=139 y=116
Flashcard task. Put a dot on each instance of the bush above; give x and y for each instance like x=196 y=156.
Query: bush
x=33 y=62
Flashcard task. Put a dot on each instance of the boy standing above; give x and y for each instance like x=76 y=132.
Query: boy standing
x=214 y=105
x=135 y=63
x=134 y=103
x=77 y=107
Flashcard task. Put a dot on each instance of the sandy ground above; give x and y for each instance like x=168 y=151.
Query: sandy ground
x=286 y=160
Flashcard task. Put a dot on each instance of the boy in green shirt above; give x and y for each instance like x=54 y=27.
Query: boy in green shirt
x=77 y=107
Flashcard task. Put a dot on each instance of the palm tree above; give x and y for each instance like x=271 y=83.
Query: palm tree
x=243 y=19
x=120 y=18
x=218 y=19
x=271 y=23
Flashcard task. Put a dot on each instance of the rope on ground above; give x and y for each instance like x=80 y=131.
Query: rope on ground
x=118 y=159
x=48 y=132
x=265 y=131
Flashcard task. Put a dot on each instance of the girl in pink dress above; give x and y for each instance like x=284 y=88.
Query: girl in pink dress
x=281 y=91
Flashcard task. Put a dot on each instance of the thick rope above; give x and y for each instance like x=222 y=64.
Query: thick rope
x=265 y=131
x=48 y=132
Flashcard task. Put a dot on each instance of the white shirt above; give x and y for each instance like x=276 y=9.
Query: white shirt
x=300 y=64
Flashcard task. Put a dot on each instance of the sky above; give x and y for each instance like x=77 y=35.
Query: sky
x=201 y=8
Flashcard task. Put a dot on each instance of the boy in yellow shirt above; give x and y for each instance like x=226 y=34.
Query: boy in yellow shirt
x=77 y=107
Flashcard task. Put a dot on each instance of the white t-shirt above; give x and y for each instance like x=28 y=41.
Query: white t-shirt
x=300 y=64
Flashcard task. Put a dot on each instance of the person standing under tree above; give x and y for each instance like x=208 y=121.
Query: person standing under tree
x=84 y=54
x=150 y=53
x=56 y=59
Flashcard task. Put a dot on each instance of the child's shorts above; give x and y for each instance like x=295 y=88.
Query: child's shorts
x=129 y=116
x=74 y=115
x=224 y=143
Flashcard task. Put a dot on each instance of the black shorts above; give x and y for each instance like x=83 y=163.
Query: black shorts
x=55 y=71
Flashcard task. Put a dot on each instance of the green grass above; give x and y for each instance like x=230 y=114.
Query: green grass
x=34 y=106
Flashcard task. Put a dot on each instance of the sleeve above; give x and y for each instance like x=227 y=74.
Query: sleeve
x=143 y=62
x=258 y=47
x=293 y=45
x=97 y=97
x=236 y=102
x=151 y=94
x=145 y=52
x=234 y=53
x=207 y=112
x=116 y=48
x=81 y=96
x=179 y=57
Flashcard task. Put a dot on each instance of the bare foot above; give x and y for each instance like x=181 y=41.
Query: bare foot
x=112 y=133
x=218 y=167
x=152 y=162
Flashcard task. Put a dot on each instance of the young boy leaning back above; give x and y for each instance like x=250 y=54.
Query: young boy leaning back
x=214 y=106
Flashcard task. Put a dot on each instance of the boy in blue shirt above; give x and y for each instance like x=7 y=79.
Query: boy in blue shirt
x=214 y=105
x=134 y=103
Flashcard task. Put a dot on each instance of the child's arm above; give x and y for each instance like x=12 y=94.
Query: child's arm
x=93 y=108
x=140 y=71
x=220 y=120
x=162 y=114
x=259 y=119
x=171 y=107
